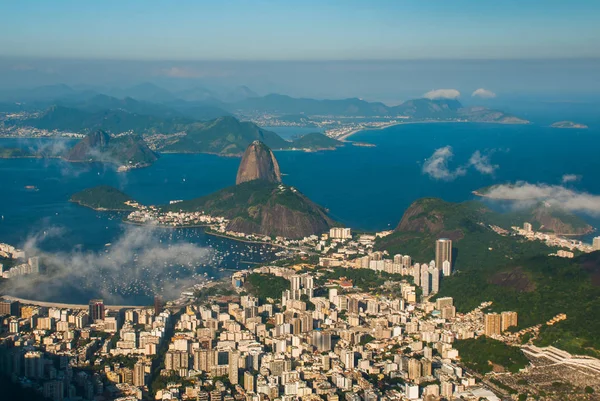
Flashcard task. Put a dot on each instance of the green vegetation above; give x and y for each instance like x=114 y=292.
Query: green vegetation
x=479 y=355
x=224 y=135
x=102 y=197
x=515 y=274
x=99 y=146
x=315 y=141
x=215 y=290
x=262 y=207
x=265 y=286
x=365 y=279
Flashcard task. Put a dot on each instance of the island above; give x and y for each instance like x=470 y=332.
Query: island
x=126 y=151
x=569 y=125
x=103 y=198
x=259 y=205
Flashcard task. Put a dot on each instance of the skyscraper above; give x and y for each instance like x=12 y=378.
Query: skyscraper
x=509 y=319
x=96 y=310
x=425 y=280
x=443 y=252
x=139 y=374
x=527 y=227
x=234 y=364
x=596 y=244
x=493 y=324
x=435 y=280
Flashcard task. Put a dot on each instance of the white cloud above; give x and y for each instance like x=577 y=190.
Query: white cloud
x=555 y=195
x=442 y=94
x=570 y=178
x=436 y=166
x=483 y=93
x=137 y=262
x=482 y=163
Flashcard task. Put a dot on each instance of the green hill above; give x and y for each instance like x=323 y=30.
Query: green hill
x=513 y=273
x=316 y=141
x=262 y=207
x=102 y=197
x=99 y=146
x=225 y=136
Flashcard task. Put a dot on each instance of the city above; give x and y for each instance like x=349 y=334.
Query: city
x=353 y=325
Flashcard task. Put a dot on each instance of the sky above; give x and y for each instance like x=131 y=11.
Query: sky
x=377 y=49
x=300 y=30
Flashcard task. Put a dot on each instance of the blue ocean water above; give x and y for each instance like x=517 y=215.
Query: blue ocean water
x=364 y=187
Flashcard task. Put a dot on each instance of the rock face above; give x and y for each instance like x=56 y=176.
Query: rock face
x=258 y=163
x=95 y=142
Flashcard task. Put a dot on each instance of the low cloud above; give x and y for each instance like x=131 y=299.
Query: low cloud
x=483 y=93
x=555 y=195
x=138 y=263
x=570 y=178
x=482 y=163
x=436 y=166
x=442 y=94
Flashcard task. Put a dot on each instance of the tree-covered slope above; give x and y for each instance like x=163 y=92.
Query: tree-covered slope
x=102 y=197
x=263 y=208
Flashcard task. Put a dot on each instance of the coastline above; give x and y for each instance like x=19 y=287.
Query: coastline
x=344 y=137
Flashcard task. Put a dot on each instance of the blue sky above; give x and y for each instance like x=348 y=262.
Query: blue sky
x=300 y=30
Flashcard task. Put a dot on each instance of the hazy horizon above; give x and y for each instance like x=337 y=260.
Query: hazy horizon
x=389 y=81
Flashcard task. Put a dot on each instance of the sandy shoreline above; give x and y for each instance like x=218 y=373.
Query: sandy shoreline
x=353 y=132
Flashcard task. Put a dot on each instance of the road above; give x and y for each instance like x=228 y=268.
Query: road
x=68 y=306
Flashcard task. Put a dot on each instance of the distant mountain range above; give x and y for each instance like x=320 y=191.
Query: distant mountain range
x=229 y=136
x=199 y=103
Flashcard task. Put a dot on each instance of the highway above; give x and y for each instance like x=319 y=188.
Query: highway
x=68 y=306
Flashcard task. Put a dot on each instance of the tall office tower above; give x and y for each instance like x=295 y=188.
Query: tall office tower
x=406 y=261
x=435 y=280
x=509 y=319
x=234 y=365
x=96 y=310
x=446 y=268
x=596 y=244
x=443 y=251
x=417 y=274
x=248 y=382
x=425 y=281
x=527 y=227
x=139 y=374
x=493 y=324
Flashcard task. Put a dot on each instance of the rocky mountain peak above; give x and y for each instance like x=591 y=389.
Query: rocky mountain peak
x=258 y=163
